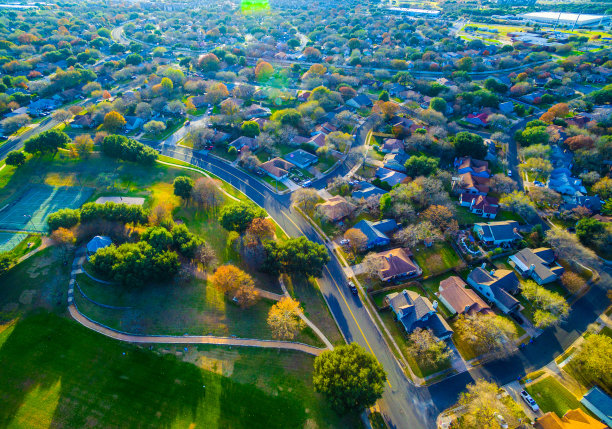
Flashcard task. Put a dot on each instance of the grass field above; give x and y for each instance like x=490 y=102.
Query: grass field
x=58 y=374
x=552 y=396
x=436 y=259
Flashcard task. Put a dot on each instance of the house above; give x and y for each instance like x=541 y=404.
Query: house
x=497 y=286
x=336 y=208
x=361 y=101
x=593 y=203
x=506 y=107
x=42 y=106
x=561 y=180
x=133 y=123
x=325 y=128
x=470 y=184
x=97 y=243
x=538 y=264
x=599 y=404
x=277 y=168
x=376 y=232
x=400 y=121
x=82 y=121
x=302 y=159
x=390 y=177
x=476 y=167
x=459 y=299
x=498 y=233
x=397 y=264
x=486 y=207
x=415 y=311
x=318 y=140
x=244 y=141
x=479 y=120
x=365 y=190
x=257 y=111
x=573 y=419
x=561 y=158
x=199 y=101
x=392 y=146
x=395 y=161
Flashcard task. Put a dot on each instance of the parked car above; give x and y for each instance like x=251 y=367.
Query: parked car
x=306 y=183
x=352 y=287
x=509 y=173
x=527 y=398
x=539 y=184
x=344 y=242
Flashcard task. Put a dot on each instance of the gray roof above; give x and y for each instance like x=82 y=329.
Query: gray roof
x=504 y=279
x=599 y=400
x=504 y=230
x=98 y=242
x=415 y=311
x=376 y=230
x=541 y=259
x=366 y=190
x=301 y=157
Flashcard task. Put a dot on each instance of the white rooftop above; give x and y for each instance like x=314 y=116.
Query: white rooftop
x=561 y=16
x=415 y=10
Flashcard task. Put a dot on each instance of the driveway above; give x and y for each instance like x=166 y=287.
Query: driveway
x=514 y=390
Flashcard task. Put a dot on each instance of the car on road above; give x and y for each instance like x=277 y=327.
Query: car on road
x=352 y=287
x=527 y=398
x=509 y=173
x=344 y=241
x=539 y=184
x=306 y=183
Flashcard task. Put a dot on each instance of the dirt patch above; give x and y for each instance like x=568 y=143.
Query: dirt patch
x=310 y=424
x=41 y=267
x=217 y=361
x=26 y=296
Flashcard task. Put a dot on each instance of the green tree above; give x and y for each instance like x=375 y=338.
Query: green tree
x=534 y=135
x=438 y=104
x=593 y=359
x=421 y=166
x=349 y=378
x=427 y=348
x=183 y=186
x=64 y=218
x=47 y=142
x=469 y=144
x=238 y=216
x=158 y=237
x=550 y=307
x=15 y=158
x=487 y=333
x=589 y=229
x=7 y=260
x=296 y=256
x=384 y=95
x=250 y=129
x=483 y=403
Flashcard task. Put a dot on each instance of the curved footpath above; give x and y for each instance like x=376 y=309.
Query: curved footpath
x=171 y=339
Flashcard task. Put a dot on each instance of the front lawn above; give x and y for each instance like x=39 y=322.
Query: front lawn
x=436 y=259
x=550 y=395
x=278 y=185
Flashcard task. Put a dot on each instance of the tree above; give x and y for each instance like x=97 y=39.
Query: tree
x=568 y=247
x=427 y=348
x=200 y=137
x=237 y=216
x=133 y=59
x=338 y=140
x=261 y=229
x=305 y=198
x=121 y=147
x=154 y=127
x=7 y=260
x=384 y=95
x=206 y=193
x=216 y=92
x=296 y=256
x=61 y=115
x=64 y=218
x=545 y=197
x=183 y=186
x=349 y=378
x=539 y=166
x=533 y=135
x=232 y=281
x=588 y=230
x=250 y=129
x=15 y=158
x=208 y=62
x=263 y=71
x=158 y=237
x=442 y=218
x=483 y=403
x=83 y=146
x=572 y=282
x=47 y=142
x=593 y=359
x=469 y=144
x=114 y=121
x=603 y=188
x=487 y=333
x=502 y=184
x=536 y=151
x=520 y=204
x=438 y=104
x=371 y=265
x=357 y=240
x=65 y=239
x=387 y=108
x=284 y=319
x=551 y=308
x=421 y=166
x=12 y=124
x=414 y=234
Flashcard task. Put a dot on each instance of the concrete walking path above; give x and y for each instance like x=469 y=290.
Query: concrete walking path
x=172 y=339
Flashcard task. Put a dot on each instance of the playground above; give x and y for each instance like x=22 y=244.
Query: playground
x=29 y=210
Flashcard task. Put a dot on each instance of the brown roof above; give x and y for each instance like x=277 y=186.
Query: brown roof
x=277 y=167
x=573 y=419
x=475 y=164
x=336 y=208
x=462 y=299
x=396 y=262
x=480 y=183
x=392 y=144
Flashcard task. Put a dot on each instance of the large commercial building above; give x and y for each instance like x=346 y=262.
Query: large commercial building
x=566 y=19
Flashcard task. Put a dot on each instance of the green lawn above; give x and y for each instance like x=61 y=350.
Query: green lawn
x=436 y=259
x=56 y=373
x=465 y=217
x=552 y=396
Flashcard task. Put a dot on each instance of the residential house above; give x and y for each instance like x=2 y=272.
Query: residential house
x=593 y=203
x=245 y=142
x=392 y=146
x=395 y=161
x=390 y=177
x=476 y=167
x=277 y=168
x=257 y=111
x=573 y=419
x=325 y=128
x=42 y=106
x=82 y=121
x=397 y=264
x=599 y=404
x=498 y=233
x=361 y=101
x=376 y=232
x=133 y=123
x=561 y=158
x=318 y=140
x=302 y=159
x=415 y=311
x=561 y=180
x=199 y=101
x=459 y=299
x=400 y=121
x=470 y=184
x=479 y=120
x=538 y=264
x=506 y=107
x=365 y=190
x=486 y=207
x=497 y=286
x=336 y=208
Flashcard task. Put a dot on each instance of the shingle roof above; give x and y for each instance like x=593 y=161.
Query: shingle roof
x=461 y=298
x=503 y=230
x=336 y=208
x=397 y=262
x=376 y=230
x=503 y=279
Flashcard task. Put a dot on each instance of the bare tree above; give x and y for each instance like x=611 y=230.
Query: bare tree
x=206 y=193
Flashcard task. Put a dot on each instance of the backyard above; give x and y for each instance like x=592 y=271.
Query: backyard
x=436 y=259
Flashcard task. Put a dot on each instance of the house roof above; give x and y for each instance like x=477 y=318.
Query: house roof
x=476 y=165
x=317 y=139
x=503 y=279
x=277 y=167
x=98 y=242
x=460 y=298
x=390 y=176
x=467 y=180
x=362 y=100
x=301 y=157
x=416 y=311
x=376 y=230
x=502 y=230
x=392 y=144
x=573 y=419
x=365 y=190
x=396 y=262
x=243 y=141
x=598 y=399
x=336 y=208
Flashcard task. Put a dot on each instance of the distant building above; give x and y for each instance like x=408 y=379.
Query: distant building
x=376 y=232
x=498 y=233
x=476 y=167
x=486 y=207
x=277 y=168
x=97 y=243
x=365 y=190
x=390 y=177
x=566 y=19
x=300 y=158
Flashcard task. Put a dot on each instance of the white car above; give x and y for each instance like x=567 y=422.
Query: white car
x=344 y=242
x=509 y=173
x=527 y=398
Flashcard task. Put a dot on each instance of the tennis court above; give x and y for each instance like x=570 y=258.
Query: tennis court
x=29 y=210
x=8 y=240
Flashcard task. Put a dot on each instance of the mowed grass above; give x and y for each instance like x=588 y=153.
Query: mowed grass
x=56 y=373
x=552 y=396
x=436 y=259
